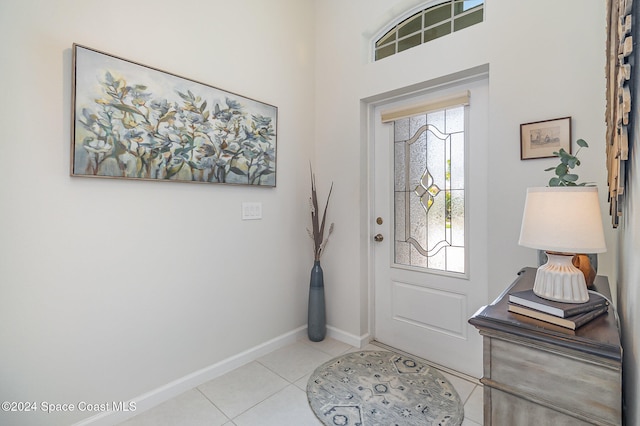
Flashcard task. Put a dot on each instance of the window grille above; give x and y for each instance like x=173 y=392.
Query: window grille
x=429 y=24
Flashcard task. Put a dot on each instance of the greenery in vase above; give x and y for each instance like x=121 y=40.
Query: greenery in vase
x=568 y=162
x=317 y=233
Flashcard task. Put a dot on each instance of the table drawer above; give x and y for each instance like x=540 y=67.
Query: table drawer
x=554 y=378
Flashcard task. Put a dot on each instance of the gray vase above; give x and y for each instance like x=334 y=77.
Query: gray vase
x=316 y=321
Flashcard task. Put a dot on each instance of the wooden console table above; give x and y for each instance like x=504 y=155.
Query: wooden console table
x=536 y=373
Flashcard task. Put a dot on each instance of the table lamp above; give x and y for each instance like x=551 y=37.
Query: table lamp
x=562 y=221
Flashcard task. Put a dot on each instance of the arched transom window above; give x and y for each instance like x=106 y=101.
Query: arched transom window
x=428 y=24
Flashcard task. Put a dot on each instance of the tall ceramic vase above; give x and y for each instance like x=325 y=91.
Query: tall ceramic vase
x=316 y=322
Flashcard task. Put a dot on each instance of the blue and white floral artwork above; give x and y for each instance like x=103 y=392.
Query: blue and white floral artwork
x=136 y=122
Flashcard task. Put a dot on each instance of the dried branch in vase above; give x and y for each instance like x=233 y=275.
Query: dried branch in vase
x=318 y=227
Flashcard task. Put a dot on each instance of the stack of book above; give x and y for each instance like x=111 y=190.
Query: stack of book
x=568 y=315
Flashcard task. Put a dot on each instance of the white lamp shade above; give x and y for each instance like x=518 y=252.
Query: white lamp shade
x=563 y=219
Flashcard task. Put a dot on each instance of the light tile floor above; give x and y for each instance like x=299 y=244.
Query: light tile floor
x=272 y=391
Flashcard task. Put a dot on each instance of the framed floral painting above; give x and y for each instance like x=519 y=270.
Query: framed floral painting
x=133 y=121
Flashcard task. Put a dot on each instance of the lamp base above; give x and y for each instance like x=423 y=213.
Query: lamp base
x=559 y=280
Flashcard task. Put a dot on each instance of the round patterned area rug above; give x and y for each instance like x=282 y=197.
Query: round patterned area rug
x=373 y=388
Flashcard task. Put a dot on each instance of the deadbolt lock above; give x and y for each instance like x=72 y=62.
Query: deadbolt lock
x=379 y=221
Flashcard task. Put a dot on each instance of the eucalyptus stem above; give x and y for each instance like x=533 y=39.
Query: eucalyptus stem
x=567 y=162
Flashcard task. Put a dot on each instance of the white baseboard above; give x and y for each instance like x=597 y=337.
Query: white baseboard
x=164 y=393
x=348 y=338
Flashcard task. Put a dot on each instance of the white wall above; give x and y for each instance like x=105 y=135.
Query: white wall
x=543 y=65
x=104 y=297
x=113 y=288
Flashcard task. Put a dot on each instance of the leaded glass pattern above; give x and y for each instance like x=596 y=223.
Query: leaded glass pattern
x=429 y=190
x=428 y=24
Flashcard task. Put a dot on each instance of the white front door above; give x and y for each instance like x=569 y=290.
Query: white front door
x=430 y=219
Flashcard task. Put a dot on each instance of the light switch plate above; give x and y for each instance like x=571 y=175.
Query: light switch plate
x=251 y=210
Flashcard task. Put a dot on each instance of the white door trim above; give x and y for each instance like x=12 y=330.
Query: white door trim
x=369 y=106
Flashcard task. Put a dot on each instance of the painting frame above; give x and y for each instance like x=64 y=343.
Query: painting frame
x=134 y=121
x=540 y=139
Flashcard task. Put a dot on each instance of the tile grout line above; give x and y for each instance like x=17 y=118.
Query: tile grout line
x=283 y=378
x=470 y=393
x=288 y=383
x=229 y=419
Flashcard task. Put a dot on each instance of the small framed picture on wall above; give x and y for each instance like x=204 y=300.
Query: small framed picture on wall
x=541 y=139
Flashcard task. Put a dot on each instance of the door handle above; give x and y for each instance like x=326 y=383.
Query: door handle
x=378 y=238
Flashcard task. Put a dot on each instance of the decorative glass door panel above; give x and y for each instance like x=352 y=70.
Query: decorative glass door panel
x=431 y=269
x=429 y=194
